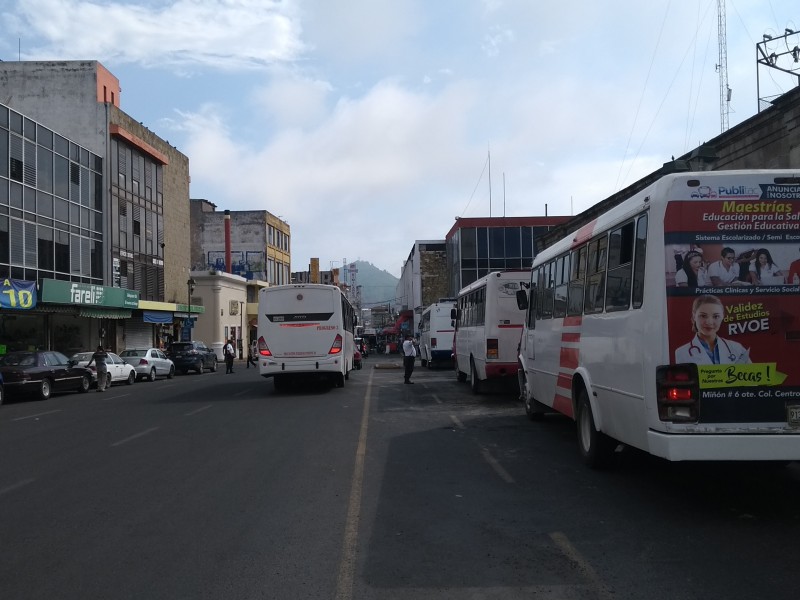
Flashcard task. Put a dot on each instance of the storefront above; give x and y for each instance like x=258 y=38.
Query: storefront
x=79 y=316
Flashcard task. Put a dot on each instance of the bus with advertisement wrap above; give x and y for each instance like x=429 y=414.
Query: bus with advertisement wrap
x=671 y=322
x=305 y=331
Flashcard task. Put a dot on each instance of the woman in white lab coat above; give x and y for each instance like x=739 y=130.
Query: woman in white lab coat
x=707 y=348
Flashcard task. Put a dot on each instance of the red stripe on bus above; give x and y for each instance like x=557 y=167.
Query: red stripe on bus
x=569 y=358
x=573 y=321
x=564 y=381
x=571 y=337
x=563 y=404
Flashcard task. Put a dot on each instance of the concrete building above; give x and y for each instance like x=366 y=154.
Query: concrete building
x=260 y=242
x=121 y=191
x=259 y=247
x=423 y=280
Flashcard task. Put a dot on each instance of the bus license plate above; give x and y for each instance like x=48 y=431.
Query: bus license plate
x=793 y=416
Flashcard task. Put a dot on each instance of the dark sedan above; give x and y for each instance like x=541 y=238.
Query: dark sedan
x=42 y=373
x=194 y=356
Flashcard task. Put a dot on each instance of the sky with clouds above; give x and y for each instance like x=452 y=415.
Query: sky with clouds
x=368 y=124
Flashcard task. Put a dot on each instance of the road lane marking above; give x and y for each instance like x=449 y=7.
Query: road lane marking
x=583 y=565
x=201 y=409
x=347 y=565
x=49 y=412
x=498 y=468
x=16 y=486
x=457 y=422
x=134 y=436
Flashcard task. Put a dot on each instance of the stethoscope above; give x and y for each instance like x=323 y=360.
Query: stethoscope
x=695 y=348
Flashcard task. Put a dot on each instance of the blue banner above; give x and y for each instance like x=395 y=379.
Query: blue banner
x=18 y=294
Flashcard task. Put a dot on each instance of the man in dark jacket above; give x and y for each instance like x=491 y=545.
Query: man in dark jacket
x=99 y=359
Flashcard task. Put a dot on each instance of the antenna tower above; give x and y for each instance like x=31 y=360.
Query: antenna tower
x=722 y=67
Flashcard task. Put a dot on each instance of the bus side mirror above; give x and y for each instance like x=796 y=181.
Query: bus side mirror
x=522 y=299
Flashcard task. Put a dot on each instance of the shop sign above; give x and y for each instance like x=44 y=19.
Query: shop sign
x=87 y=294
x=18 y=294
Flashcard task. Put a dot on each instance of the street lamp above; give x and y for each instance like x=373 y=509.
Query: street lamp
x=190 y=287
x=190 y=283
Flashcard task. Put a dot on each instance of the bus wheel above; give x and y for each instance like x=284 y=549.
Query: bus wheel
x=339 y=380
x=474 y=382
x=597 y=449
x=279 y=383
x=460 y=375
x=532 y=407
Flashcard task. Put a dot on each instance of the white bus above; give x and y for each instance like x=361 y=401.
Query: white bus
x=488 y=327
x=305 y=329
x=647 y=328
x=436 y=330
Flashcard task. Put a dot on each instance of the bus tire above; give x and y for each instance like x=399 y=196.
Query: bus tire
x=339 y=382
x=474 y=382
x=533 y=409
x=460 y=375
x=597 y=449
x=279 y=382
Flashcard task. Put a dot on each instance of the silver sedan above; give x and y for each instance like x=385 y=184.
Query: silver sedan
x=149 y=363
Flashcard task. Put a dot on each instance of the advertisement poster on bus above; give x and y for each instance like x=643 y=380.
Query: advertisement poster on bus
x=733 y=294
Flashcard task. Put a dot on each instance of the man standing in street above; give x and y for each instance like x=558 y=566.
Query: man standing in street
x=229 y=353
x=409 y=356
x=99 y=359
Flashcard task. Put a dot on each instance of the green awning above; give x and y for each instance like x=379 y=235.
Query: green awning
x=105 y=313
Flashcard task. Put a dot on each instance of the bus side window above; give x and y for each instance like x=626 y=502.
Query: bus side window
x=620 y=266
x=561 y=278
x=575 y=296
x=548 y=288
x=596 y=276
x=638 y=264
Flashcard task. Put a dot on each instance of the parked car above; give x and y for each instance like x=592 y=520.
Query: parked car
x=43 y=373
x=118 y=369
x=192 y=356
x=149 y=363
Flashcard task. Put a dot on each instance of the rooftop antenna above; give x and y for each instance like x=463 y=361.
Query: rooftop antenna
x=724 y=90
x=489 y=154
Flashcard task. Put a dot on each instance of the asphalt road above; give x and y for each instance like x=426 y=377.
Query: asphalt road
x=215 y=486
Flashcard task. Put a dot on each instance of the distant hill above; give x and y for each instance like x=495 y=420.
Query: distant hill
x=377 y=286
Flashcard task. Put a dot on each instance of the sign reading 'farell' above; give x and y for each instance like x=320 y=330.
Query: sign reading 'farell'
x=87 y=294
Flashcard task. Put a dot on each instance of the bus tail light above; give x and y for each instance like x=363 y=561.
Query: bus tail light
x=263 y=349
x=336 y=348
x=433 y=342
x=678 y=393
x=492 y=348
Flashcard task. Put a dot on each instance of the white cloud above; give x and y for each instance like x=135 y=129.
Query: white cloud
x=220 y=34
